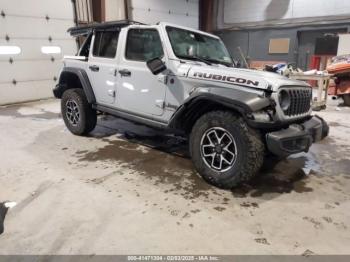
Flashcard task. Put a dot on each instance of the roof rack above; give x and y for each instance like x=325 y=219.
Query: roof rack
x=87 y=29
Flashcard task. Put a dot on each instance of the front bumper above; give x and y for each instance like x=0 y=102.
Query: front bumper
x=297 y=138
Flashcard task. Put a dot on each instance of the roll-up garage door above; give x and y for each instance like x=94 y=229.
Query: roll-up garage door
x=181 y=12
x=33 y=40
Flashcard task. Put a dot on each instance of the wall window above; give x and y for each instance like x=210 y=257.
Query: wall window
x=105 y=44
x=9 y=50
x=143 y=45
x=50 y=50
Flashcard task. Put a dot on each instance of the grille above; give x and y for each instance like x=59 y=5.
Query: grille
x=300 y=101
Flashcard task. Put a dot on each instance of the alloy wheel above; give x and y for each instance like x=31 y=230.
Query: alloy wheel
x=218 y=149
x=72 y=112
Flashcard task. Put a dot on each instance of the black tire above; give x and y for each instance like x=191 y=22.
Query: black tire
x=87 y=115
x=248 y=145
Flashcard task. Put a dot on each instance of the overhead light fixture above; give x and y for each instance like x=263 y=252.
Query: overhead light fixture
x=9 y=50
x=50 y=49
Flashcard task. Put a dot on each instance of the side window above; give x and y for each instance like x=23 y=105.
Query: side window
x=105 y=44
x=85 y=48
x=143 y=45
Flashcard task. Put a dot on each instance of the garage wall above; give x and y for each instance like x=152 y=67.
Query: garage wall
x=255 y=42
x=182 y=12
x=260 y=12
x=30 y=26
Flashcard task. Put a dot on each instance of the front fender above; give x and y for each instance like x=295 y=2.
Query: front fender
x=239 y=98
x=242 y=101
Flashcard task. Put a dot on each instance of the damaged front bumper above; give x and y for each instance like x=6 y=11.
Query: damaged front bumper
x=297 y=137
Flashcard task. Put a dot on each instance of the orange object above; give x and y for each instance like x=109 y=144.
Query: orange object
x=341 y=69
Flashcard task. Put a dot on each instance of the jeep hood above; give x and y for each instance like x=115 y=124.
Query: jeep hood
x=241 y=77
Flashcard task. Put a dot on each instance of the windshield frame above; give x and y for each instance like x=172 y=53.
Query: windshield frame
x=212 y=61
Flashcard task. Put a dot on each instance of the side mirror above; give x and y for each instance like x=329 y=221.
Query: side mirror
x=156 y=65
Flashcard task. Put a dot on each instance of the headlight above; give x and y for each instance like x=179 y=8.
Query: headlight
x=284 y=99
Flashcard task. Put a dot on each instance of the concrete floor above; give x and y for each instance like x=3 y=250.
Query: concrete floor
x=128 y=190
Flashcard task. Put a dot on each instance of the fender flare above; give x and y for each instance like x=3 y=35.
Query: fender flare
x=84 y=81
x=238 y=100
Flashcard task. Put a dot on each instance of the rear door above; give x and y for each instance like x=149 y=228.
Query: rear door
x=102 y=66
x=139 y=91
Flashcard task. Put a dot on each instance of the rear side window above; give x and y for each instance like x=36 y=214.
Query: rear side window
x=143 y=45
x=105 y=44
x=85 y=48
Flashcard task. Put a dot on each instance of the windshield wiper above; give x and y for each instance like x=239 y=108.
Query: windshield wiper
x=219 y=62
x=195 y=58
x=207 y=61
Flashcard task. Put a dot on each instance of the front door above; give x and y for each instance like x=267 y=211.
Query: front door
x=139 y=91
x=102 y=66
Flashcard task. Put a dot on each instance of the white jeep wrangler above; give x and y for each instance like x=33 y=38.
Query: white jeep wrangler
x=184 y=81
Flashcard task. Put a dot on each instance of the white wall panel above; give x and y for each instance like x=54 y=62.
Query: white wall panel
x=25 y=91
x=320 y=8
x=27 y=27
x=242 y=11
x=255 y=11
x=61 y=9
x=31 y=25
x=344 y=44
x=115 y=10
x=180 y=12
x=39 y=70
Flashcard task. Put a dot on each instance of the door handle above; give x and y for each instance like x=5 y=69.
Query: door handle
x=94 y=68
x=124 y=72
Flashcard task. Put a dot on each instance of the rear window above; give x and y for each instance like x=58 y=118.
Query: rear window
x=105 y=44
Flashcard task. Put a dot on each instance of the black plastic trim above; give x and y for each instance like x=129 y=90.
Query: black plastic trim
x=137 y=118
x=275 y=124
x=300 y=137
x=87 y=29
x=239 y=100
x=84 y=80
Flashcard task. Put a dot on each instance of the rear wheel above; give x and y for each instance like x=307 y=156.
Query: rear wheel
x=224 y=150
x=78 y=115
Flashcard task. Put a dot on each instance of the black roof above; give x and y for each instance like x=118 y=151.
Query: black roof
x=87 y=29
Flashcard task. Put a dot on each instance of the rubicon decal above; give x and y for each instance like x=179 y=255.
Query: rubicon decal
x=229 y=79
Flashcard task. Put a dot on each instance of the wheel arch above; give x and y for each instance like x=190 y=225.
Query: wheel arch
x=186 y=116
x=71 y=77
x=239 y=102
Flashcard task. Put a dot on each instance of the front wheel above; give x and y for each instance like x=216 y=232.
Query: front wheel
x=78 y=115
x=224 y=150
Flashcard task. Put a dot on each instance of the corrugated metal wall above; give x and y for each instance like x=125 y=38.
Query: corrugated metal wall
x=31 y=25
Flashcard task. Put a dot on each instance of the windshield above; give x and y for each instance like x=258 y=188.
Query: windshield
x=191 y=45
